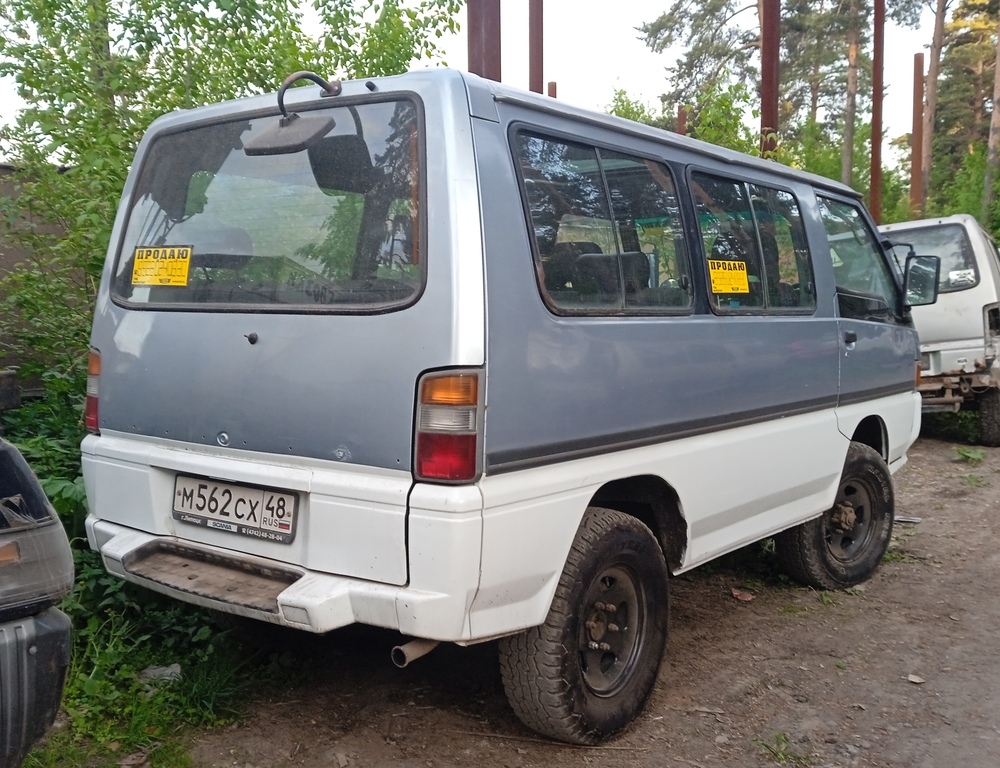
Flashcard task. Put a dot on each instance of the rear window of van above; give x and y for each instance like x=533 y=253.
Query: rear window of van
x=332 y=225
x=949 y=242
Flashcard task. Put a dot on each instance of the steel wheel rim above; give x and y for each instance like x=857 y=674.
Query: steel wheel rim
x=610 y=637
x=847 y=545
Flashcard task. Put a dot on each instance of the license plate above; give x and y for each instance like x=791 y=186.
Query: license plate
x=260 y=513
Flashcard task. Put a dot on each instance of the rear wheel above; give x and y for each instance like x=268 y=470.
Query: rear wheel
x=989 y=418
x=844 y=546
x=587 y=671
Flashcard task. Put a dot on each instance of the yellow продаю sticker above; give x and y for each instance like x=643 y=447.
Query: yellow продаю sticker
x=728 y=276
x=162 y=265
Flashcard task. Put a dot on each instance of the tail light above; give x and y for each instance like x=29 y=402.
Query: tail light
x=93 y=391
x=448 y=419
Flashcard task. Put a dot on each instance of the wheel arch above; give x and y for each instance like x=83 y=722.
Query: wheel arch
x=654 y=502
x=872 y=432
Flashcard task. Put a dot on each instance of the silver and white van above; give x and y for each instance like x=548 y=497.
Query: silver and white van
x=960 y=333
x=432 y=354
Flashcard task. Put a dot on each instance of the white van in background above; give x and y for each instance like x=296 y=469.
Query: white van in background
x=960 y=334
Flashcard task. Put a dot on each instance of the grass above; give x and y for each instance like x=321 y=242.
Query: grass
x=971 y=456
x=781 y=751
x=974 y=481
x=119 y=630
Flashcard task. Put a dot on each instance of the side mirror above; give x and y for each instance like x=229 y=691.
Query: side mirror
x=920 y=280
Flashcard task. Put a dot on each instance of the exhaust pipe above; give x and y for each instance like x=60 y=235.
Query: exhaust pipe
x=411 y=651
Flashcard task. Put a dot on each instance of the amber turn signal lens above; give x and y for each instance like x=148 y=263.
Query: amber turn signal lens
x=450 y=390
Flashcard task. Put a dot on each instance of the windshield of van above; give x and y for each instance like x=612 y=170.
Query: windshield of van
x=949 y=242
x=333 y=226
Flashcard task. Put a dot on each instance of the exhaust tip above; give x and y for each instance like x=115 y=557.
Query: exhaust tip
x=403 y=655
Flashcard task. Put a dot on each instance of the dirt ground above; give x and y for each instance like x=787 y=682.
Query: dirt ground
x=903 y=671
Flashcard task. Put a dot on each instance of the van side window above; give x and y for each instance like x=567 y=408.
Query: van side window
x=788 y=271
x=865 y=286
x=606 y=226
x=736 y=278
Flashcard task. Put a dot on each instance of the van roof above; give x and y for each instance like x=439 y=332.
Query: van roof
x=505 y=93
x=957 y=218
x=482 y=92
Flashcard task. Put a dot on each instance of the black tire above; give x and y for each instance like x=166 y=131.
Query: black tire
x=989 y=418
x=845 y=545
x=587 y=671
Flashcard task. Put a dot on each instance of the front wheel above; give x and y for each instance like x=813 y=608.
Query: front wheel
x=844 y=546
x=587 y=671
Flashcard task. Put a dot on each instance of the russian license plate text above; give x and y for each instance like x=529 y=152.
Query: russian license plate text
x=257 y=512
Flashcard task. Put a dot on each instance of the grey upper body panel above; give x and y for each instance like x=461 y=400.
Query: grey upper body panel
x=567 y=386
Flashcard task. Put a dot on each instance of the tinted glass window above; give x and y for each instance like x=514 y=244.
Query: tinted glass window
x=865 y=286
x=788 y=271
x=333 y=226
x=725 y=220
x=606 y=227
x=949 y=242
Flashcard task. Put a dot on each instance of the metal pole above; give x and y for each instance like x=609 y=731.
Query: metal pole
x=535 y=46
x=917 y=134
x=484 y=38
x=770 y=41
x=875 y=189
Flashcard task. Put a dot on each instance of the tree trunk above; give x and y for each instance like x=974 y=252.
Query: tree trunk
x=814 y=95
x=100 y=51
x=847 y=151
x=930 y=98
x=992 y=155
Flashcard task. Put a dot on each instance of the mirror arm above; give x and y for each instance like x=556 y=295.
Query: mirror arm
x=329 y=89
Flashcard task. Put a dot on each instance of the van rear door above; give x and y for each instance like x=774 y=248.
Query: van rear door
x=264 y=307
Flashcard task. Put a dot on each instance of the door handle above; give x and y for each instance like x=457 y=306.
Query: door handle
x=850 y=337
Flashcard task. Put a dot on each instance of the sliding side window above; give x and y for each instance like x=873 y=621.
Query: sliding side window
x=788 y=271
x=756 y=247
x=606 y=227
x=725 y=219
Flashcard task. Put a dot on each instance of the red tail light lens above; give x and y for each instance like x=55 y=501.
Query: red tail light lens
x=93 y=391
x=447 y=444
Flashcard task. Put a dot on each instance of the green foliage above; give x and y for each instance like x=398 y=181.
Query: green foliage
x=368 y=38
x=971 y=456
x=94 y=74
x=974 y=481
x=781 y=750
x=719 y=118
x=719 y=46
x=962 y=427
x=625 y=106
x=48 y=431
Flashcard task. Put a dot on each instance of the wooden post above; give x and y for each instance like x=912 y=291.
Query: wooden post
x=875 y=189
x=917 y=136
x=770 y=42
x=484 y=38
x=535 y=46
x=552 y=88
